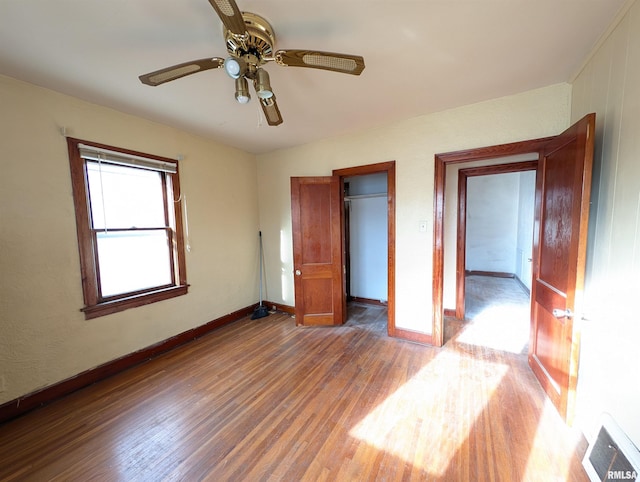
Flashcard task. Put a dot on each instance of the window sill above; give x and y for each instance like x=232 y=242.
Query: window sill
x=115 y=306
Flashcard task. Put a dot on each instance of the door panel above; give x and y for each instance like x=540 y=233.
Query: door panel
x=560 y=240
x=317 y=250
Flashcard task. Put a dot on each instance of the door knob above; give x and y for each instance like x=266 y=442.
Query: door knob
x=558 y=313
x=298 y=272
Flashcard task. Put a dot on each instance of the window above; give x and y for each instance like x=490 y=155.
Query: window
x=129 y=225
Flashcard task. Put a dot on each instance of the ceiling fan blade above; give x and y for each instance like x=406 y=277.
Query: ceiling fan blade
x=271 y=111
x=348 y=64
x=230 y=15
x=176 y=71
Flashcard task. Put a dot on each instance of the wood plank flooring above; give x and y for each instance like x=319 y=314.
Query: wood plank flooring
x=498 y=311
x=264 y=400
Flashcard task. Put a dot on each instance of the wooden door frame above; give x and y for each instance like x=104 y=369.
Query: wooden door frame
x=461 y=251
x=390 y=169
x=441 y=162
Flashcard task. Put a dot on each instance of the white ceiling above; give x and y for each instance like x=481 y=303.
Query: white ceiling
x=421 y=56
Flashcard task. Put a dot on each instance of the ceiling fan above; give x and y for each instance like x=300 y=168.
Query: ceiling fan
x=250 y=40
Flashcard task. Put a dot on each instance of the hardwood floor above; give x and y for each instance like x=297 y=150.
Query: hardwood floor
x=497 y=311
x=266 y=400
x=367 y=317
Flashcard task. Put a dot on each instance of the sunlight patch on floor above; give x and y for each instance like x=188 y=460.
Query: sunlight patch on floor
x=547 y=436
x=500 y=326
x=392 y=425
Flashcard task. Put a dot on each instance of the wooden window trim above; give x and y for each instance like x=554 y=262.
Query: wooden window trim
x=95 y=306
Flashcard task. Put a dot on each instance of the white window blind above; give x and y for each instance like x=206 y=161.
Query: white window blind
x=93 y=153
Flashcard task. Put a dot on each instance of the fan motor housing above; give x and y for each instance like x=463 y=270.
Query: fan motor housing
x=257 y=46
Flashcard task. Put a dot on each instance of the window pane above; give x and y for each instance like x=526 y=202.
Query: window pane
x=133 y=260
x=132 y=197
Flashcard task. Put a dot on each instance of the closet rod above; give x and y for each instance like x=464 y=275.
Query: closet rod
x=365 y=196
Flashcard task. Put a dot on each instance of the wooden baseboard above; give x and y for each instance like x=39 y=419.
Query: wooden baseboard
x=495 y=274
x=399 y=333
x=280 y=307
x=523 y=286
x=410 y=335
x=368 y=301
x=26 y=403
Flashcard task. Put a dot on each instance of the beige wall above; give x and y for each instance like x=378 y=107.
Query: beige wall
x=610 y=86
x=412 y=144
x=43 y=335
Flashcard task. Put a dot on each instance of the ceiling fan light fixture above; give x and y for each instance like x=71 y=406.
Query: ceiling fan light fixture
x=262 y=84
x=235 y=67
x=242 y=90
x=250 y=41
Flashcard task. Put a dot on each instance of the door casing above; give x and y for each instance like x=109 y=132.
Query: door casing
x=390 y=169
x=463 y=175
x=573 y=164
x=440 y=168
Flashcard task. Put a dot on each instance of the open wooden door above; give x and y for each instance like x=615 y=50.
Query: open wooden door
x=317 y=250
x=559 y=251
